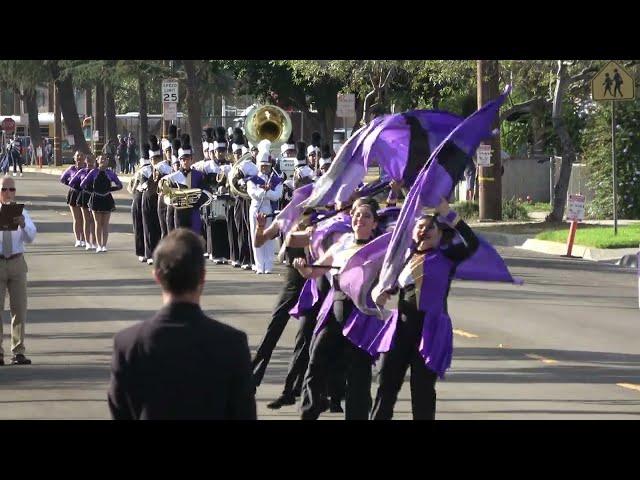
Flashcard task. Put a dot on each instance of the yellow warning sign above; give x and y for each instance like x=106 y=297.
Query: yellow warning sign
x=613 y=83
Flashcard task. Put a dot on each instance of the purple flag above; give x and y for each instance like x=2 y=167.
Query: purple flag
x=402 y=143
x=436 y=180
x=346 y=171
x=292 y=212
x=485 y=265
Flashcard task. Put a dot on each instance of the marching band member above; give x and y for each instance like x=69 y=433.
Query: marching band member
x=245 y=254
x=72 y=197
x=175 y=167
x=88 y=225
x=325 y=160
x=102 y=182
x=138 y=185
x=303 y=174
x=313 y=150
x=431 y=265
x=185 y=177
x=165 y=168
x=264 y=188
x=150 y=218
x=329 y=341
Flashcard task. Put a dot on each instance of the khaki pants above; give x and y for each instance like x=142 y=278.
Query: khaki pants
x=13 y=277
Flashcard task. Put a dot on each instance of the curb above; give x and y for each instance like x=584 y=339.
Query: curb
x=587 y=253
x=60 y=170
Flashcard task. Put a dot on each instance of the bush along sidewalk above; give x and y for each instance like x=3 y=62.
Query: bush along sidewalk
x=511 y=210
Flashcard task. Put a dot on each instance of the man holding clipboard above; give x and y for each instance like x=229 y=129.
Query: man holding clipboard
x=16 y=228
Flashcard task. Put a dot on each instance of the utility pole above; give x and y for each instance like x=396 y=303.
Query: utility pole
x=490 y=177
x=57 y=127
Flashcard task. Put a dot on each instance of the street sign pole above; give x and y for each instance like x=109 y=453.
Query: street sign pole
x=613 y=165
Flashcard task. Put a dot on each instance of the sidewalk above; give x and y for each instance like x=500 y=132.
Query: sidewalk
x=51 y=170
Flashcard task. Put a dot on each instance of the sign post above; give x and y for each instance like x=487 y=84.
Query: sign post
x=483 y=154
x=575 y=214
x=613 y=83
x=346 y=107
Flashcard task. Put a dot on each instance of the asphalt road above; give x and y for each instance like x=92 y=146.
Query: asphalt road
x=562 y=346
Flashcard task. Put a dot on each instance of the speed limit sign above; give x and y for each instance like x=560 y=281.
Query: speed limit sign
x=170 y=90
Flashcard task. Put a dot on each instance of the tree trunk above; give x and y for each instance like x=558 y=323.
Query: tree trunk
x=328 y=118
x=144 y=121
x=359 y=108
x=98 y=123
x=110 y=108
x=193 y=109
x=70 y=113
x=31 y=105
x=566 y=145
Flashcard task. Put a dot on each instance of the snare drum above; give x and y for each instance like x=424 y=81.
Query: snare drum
x=217 y=209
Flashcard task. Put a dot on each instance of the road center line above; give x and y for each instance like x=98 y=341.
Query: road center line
x=462 y=333
x=630 y=386
x=542 y=359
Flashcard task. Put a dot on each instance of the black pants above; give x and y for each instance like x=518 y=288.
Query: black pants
x=393 y=368
x=17 y=162
x=171 y=225
x=279 y=318
x=138 y=229
x=182 y=217
x=150 y=222
x=219 y=239
x=241 y=217
x=300 y=359
x=327 y=348
x=232 y=231
x=162 y=217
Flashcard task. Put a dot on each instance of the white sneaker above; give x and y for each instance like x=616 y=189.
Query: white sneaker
x=141 y=259
x=20 y=173
x=82 y=243
x=150 y=261
x=78 y=243
x=88 y=247
x=104 y=248
x=99 y=249
x=14 y=174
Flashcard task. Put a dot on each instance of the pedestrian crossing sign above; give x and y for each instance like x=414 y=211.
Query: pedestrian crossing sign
x=613 y=83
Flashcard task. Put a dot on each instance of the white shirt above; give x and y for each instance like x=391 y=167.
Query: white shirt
x=20 y=236
x=262 y=197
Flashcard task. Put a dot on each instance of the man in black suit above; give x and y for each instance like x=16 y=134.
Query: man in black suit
x=181 y=364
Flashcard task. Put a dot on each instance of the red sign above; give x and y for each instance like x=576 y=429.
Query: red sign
x=8 y=125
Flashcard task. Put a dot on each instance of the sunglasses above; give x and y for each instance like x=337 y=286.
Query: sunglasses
x=11 y=189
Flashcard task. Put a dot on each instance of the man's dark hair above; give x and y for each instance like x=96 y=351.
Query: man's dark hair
x=179 y=261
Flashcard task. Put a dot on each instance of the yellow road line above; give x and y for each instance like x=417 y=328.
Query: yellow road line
x=630 y=386
x=462 y=333
x=542 y=359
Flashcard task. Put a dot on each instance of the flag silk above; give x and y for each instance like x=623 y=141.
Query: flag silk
x=293 y=211
x=435 y=181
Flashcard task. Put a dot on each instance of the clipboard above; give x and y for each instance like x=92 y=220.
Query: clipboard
x=9 y=211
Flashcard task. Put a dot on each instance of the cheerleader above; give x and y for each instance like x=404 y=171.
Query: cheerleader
x=88 y=225
x=102 y=182
x=72 y=197
x=422 y=338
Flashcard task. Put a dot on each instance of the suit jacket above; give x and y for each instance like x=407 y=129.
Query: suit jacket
x=181 y=364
